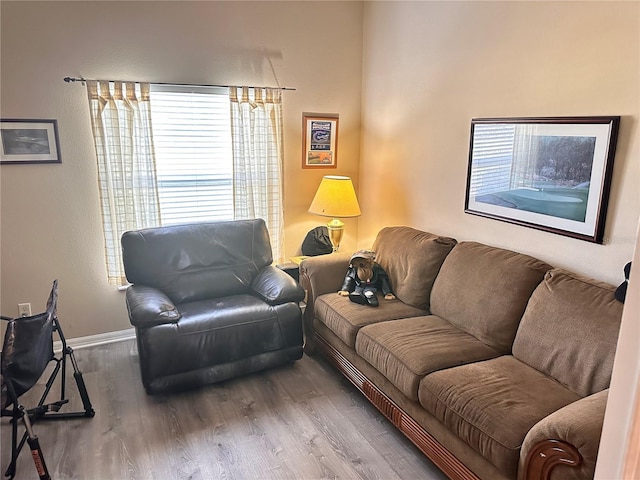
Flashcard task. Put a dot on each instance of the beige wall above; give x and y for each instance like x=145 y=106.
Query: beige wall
x=427 y=69
x=50 y=217
x=430 y=67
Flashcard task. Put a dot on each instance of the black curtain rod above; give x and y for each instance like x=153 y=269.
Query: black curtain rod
x=71 y=80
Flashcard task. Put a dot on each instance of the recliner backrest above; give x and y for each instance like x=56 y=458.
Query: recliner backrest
x=197 y=261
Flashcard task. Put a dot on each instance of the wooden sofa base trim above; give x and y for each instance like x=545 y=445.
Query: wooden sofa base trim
x=428 y=445
x=540 y=462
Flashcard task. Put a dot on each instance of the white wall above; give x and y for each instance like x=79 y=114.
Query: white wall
x=50 y=217
x=430 y=67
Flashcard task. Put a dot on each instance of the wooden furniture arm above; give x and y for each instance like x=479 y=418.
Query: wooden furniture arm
x=564 y=445
x=546 y=455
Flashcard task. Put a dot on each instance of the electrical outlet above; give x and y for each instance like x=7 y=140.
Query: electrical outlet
x=24 y=309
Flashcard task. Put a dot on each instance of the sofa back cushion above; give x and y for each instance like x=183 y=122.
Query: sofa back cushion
x=484 y=290
x=198 y=261
x=412 y=259
x=569 y=331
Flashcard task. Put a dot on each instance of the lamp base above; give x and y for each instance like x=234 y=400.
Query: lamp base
x=336 y=230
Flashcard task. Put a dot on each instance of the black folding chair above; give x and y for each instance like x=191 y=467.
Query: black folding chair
x=26 y=353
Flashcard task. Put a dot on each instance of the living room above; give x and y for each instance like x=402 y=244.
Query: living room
x=406 y=78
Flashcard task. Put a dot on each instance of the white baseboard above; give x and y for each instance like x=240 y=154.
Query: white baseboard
x=93 y=340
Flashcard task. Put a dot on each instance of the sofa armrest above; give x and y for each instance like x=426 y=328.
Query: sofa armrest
x=276 y=287
x=564 y=445
x=319 y=275
x=323 y=274
x=148 y=306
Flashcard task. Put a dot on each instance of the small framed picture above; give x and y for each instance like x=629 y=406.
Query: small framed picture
x=29 y=141
x=320 y=140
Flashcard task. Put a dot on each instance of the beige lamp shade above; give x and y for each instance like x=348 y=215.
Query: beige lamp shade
x=335 y=197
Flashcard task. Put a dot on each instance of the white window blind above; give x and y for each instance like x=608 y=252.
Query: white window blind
x=492 y=158
x=192 y=138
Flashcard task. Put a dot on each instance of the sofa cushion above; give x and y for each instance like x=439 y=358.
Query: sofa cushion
x=484 y=290
x=344 y=317
x=412 y=259
x=570 y=331
x=404 y=351
x=491 y=405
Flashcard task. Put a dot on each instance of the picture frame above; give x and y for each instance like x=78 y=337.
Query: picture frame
x=320 y=140
x=551 y=174
x=24 y=141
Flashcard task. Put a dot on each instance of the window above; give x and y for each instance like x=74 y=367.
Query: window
x=194 y=166
x=492 y=158
x=172 y=154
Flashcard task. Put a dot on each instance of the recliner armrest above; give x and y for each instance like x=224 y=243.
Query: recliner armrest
x=276 y=287
x=148 y=306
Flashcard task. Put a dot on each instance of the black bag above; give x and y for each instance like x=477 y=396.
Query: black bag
x=317 y=242
x=621 y=291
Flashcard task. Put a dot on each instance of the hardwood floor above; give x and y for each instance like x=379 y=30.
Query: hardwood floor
x=303 y=421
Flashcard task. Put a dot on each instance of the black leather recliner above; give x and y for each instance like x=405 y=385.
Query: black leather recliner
x=207 y=304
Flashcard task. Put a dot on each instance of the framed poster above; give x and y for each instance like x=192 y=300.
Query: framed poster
x=552 y=174
x=320 y=140
x=29 y=141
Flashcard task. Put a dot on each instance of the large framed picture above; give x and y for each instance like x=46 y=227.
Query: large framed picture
x=320 y=140
x=29 y=141
x=552 y=174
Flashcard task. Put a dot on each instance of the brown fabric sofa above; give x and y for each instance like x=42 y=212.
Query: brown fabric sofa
x=494 y=363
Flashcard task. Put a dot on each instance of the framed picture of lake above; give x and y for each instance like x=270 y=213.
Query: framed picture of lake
x=29 y=141
x=552 y=174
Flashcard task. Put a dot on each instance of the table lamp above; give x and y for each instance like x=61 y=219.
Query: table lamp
x=335 y=198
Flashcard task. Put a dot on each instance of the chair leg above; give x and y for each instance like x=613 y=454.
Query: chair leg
x=34 y=445
x=18 y=413
x=88 y=408
x=50 y=411
x=77 y=375
x=82 y=388
x=11 y=469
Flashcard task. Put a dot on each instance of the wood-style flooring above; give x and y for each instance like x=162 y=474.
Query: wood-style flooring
x=300 y=421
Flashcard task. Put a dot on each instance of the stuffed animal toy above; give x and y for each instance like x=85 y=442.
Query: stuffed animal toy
x=364 y=278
